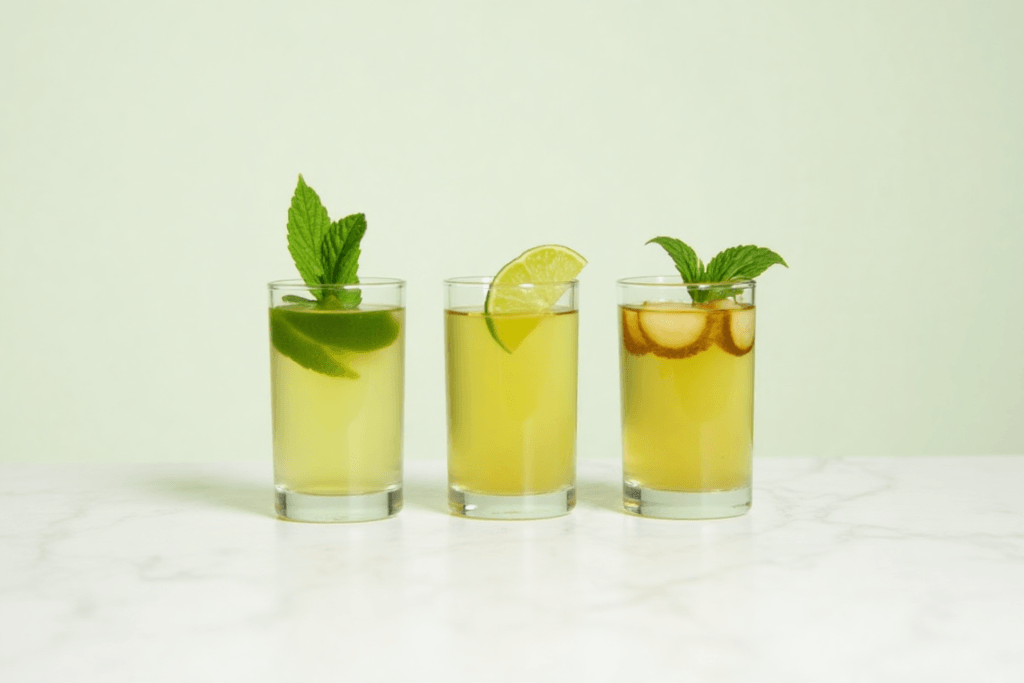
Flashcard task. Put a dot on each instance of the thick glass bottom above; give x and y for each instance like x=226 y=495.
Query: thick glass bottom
x=304 y=507
x=649 y=502
x=535 y=506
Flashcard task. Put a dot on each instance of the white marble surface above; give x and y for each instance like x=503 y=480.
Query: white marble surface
x=845 y=570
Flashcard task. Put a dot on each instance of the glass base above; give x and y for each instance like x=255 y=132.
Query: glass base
x=304 y=507
x=536 y=506
x=648 y=502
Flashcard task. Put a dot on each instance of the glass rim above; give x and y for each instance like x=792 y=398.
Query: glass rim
x=677 y=281
x=487 y=280
x=364 y=283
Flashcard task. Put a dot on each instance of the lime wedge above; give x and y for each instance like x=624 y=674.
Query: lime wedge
x=344 y=329
x=319 y=340
x=304 y=351
x=526 y=288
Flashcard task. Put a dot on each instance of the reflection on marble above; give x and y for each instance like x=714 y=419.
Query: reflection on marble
x=845 y=570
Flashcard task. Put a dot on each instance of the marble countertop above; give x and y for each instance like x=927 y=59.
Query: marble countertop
x=870 y=569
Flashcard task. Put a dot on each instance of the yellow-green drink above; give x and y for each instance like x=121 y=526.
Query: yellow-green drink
x=512 y=416
x=687 y=407
x=687 y=383
x=511 y=359
x=340 y=435
x=337 y=379
x=337 y=371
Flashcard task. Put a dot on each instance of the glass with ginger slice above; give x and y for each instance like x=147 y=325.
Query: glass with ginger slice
x=687 y=371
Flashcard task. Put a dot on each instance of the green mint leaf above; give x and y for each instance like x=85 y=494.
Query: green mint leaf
x=690 y=268
x=293 y=299
x=741 y=263
x=736 y=263
x=339 y=253
x=307 y=224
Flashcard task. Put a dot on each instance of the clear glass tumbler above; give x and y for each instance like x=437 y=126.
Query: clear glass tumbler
x=687 y=390
x=337 y=370
x=511 y=381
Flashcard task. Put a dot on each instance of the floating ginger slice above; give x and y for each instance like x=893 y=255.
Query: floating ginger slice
x=632 y=338
x=737 y=331
x=674 y=330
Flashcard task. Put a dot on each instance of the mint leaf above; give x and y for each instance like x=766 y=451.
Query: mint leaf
x=690 y=267
x=744 y=262
x=307 y=224
x=293 y=299
x=325 y=253
x=339 y=253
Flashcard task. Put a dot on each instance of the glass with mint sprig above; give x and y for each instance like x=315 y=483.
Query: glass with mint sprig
x=326 y=254
x=337 y=374
x=687 y=383
x=735 y=264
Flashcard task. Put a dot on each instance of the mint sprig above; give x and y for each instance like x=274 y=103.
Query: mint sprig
x=325 y=253
x=339 y=250
x=744 y=262
x=734 y=264
x=689 y=265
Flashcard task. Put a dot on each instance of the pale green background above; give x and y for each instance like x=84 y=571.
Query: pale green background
x=148 y=152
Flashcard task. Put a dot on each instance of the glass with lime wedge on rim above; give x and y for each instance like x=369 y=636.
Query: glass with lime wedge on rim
x=511 y=369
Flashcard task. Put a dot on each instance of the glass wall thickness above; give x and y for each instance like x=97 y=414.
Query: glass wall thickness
x=337 y=363
x=511 y=400
x=687 y=396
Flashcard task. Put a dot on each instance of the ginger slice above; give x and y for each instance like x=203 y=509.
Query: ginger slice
x=632 y=338
x=737 y=331
x=674 y=330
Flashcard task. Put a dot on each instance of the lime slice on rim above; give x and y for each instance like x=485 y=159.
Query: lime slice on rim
x=527 y=287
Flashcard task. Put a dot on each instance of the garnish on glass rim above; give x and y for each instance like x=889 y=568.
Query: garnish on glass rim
x=545 y=268
x=734 y=264
x=325 y=253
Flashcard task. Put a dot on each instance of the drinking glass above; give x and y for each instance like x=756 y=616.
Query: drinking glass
x=687 y=392
x=337 y=368
x=511 y=390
